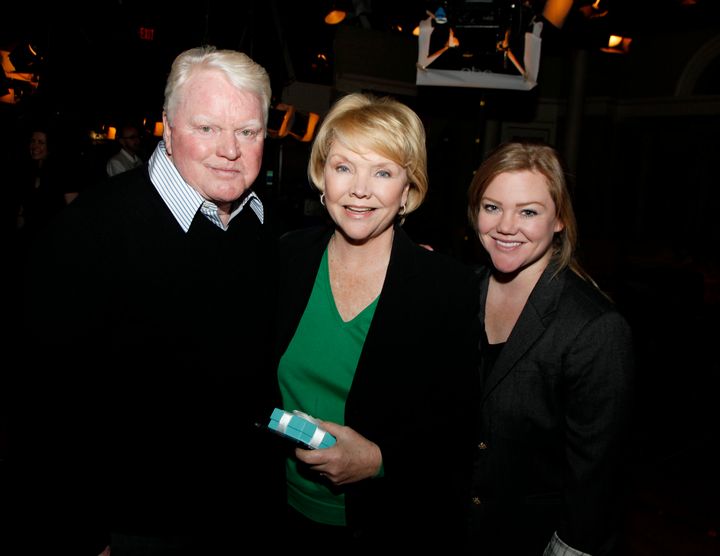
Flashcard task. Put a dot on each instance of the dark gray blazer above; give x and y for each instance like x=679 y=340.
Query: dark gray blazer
x=554 y=415
x=412 y=390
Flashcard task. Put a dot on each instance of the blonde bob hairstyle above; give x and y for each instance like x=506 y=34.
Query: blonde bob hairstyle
x=365 y=123
x=519 y=156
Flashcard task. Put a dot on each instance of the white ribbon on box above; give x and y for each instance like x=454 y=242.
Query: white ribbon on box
x=284 y=422
x=487 y=80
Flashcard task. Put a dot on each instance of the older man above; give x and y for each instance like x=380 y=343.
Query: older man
x=149 y=322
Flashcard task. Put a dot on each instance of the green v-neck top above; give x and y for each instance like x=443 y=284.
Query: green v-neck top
x=315 y=375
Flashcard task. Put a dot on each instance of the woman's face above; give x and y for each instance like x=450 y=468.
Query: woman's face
x=363 y=192
x=38 y=146
x=517 y=221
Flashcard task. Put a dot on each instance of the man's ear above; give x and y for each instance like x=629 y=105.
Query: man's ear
x=167 y=134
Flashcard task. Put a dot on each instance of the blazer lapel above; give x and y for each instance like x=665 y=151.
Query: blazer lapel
x=301 y=272
x=401 y=268
x=531 y=325
x=389 y=313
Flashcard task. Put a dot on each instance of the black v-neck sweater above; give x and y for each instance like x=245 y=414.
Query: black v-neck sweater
x=149 y=346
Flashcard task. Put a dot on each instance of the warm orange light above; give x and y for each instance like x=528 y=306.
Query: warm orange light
x=111 y=132
x=334 y=17
x=279 y=119
x=617 y=45
x=9 y=97
x=556 y=11
x=158 y=130
x=416 y=31
x=312 y=121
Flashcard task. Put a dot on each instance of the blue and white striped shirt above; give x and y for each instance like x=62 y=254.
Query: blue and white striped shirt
x=183 y=201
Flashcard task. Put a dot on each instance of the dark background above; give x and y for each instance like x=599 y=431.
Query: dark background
x=640 y=132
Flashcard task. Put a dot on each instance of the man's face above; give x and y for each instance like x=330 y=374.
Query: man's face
x=215 y=137
x=130 y=140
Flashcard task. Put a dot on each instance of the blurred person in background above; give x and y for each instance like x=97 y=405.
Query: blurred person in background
x=129 y=155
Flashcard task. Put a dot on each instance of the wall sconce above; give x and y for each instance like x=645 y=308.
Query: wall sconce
x=5 y=86
x=284 y=119
x=617 y=45
x=595 y=10
x=111 y=132
x=303 y=126
x=279 y=119
x=15 y=84
x=158 y=129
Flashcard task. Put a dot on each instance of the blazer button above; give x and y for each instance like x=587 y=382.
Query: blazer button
x=476 y=501
x=482 y=446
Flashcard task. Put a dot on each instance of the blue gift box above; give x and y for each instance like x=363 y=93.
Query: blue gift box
x=301 y=427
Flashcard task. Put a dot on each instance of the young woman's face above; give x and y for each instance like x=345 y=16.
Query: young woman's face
x=363 y=192
x=38 y=145
x=517 y=221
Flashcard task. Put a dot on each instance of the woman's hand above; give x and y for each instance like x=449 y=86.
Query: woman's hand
x=352 y=458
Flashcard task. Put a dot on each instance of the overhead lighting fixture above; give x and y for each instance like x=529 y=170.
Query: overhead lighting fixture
x=335 y=16
x=337 y=13
x=440 y=16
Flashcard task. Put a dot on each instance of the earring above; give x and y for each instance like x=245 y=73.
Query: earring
x=401 y=212
x=322 y=199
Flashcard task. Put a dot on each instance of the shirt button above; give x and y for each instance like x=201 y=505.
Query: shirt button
x=482 y=446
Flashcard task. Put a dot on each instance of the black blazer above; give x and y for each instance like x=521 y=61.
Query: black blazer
x=413 y=387
x=554 y=414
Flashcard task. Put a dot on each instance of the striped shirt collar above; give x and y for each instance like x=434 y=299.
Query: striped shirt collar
x=183 y=201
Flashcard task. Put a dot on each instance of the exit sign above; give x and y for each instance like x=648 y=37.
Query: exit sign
x=147 y=33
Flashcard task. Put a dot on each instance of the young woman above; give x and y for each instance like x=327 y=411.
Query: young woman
x=556 y=367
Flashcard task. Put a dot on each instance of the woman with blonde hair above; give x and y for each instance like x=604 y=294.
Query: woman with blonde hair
x=378 y=340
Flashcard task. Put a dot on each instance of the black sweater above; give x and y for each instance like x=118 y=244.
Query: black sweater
x=149 y=351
